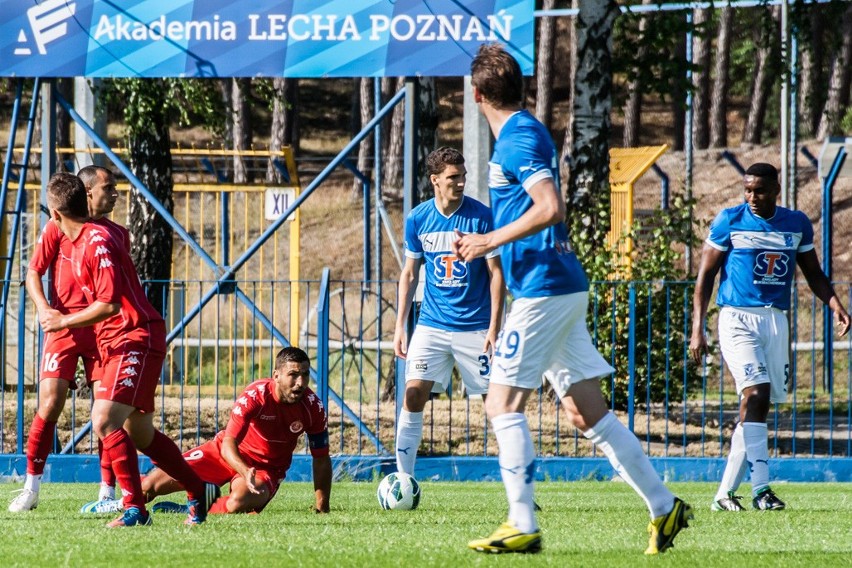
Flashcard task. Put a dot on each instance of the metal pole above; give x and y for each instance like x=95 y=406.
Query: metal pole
x=688 y=136
x=828 y=329
x=785 y=108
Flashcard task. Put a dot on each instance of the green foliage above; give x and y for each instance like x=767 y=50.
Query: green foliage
x=654 y=56
x=147 y=102
x=662 y=307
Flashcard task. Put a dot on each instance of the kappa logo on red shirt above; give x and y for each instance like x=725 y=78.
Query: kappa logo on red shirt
x=238 y=410
x=101 y=250
x=105 y=263
x=297 y=427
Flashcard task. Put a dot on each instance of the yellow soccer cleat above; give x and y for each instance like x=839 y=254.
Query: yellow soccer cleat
x=508 y=539
x=664 y=528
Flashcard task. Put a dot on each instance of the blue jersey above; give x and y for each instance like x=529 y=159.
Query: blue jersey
x=457 y=294
x=542 y=264
x=760 y=255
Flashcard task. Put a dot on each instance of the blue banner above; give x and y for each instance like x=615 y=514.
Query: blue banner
x=257 y=38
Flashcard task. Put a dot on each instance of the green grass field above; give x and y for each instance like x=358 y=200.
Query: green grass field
x=584 y=524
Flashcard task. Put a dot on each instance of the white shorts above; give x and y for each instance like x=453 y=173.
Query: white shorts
x=547 y=336
x=755 y=344
x=432 y=353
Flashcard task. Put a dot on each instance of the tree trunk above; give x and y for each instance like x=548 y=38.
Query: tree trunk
x=678 y=103
x=838 y=84
x=544 y=67
x=571 y=72
x=721 y=81
x=763 y=77
x=151 y=237
x=701 y=79
x=365 y=148
x=226 y=91
x=64 y=124
x=427 y=132
x=392 y=183
x=811 y=81
x=633 y=106
x=241 y=112
x=588 y=186
x=283 y=117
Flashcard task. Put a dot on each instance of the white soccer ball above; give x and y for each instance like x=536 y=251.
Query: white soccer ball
x=399 y=491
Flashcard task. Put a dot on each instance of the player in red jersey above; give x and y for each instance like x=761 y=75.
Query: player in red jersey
x=131 y=337
x=255 y=449
x=64 y=348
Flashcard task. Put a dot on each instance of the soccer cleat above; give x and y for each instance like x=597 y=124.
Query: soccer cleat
x=729 y=503
x=766 y=500
x=664 y=529
x=508 y=539
x=170 y=507
x=197 y=508
x=132 y=517
x=27 y=500
x=103 y=506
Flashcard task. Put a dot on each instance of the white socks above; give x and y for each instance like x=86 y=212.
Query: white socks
x=32 y=482
x=409 y=432
x=517 y=467
x=735 y=466
x=756 y=436
x=630 y=462
x=106 y=492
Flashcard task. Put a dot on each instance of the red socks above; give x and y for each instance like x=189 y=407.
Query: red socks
x=39 y=443
x=166 y=455
x=107 y=474
x=122 y=453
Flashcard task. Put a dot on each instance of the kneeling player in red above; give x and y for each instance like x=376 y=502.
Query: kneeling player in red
x=255 y=449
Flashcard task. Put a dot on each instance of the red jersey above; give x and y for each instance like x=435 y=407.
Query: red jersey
x=267 y=430
x=104 y=270
x=54 y=250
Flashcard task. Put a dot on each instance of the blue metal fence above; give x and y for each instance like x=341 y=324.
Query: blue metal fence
x=676 y=409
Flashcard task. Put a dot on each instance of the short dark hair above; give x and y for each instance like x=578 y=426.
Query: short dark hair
x=290 y=355
x=439 y=159
x=763 y=170
x=66 y=194
x=497 y=76
x=89 y=174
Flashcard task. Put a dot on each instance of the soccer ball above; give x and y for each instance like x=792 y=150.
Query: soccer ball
x=399 y=491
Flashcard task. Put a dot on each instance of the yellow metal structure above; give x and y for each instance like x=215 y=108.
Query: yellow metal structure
x=626 y=165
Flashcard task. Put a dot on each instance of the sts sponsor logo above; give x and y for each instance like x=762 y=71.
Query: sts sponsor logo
x=450 y=270
x=770 y=266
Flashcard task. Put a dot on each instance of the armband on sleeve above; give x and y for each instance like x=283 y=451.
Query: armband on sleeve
x=318 y=441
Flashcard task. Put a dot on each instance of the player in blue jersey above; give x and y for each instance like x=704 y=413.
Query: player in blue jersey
x=462 y=306
x=757 y=246
x=545 y=331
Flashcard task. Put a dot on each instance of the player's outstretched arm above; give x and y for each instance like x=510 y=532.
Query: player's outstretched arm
x=711 y=261
x=322 y=473
x=822 y=288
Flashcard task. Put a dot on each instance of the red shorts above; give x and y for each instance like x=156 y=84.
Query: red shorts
x=206 y=460
x=131 y=374
x=61 y=351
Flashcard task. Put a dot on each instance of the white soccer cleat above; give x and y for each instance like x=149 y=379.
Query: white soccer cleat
x=27 y=500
